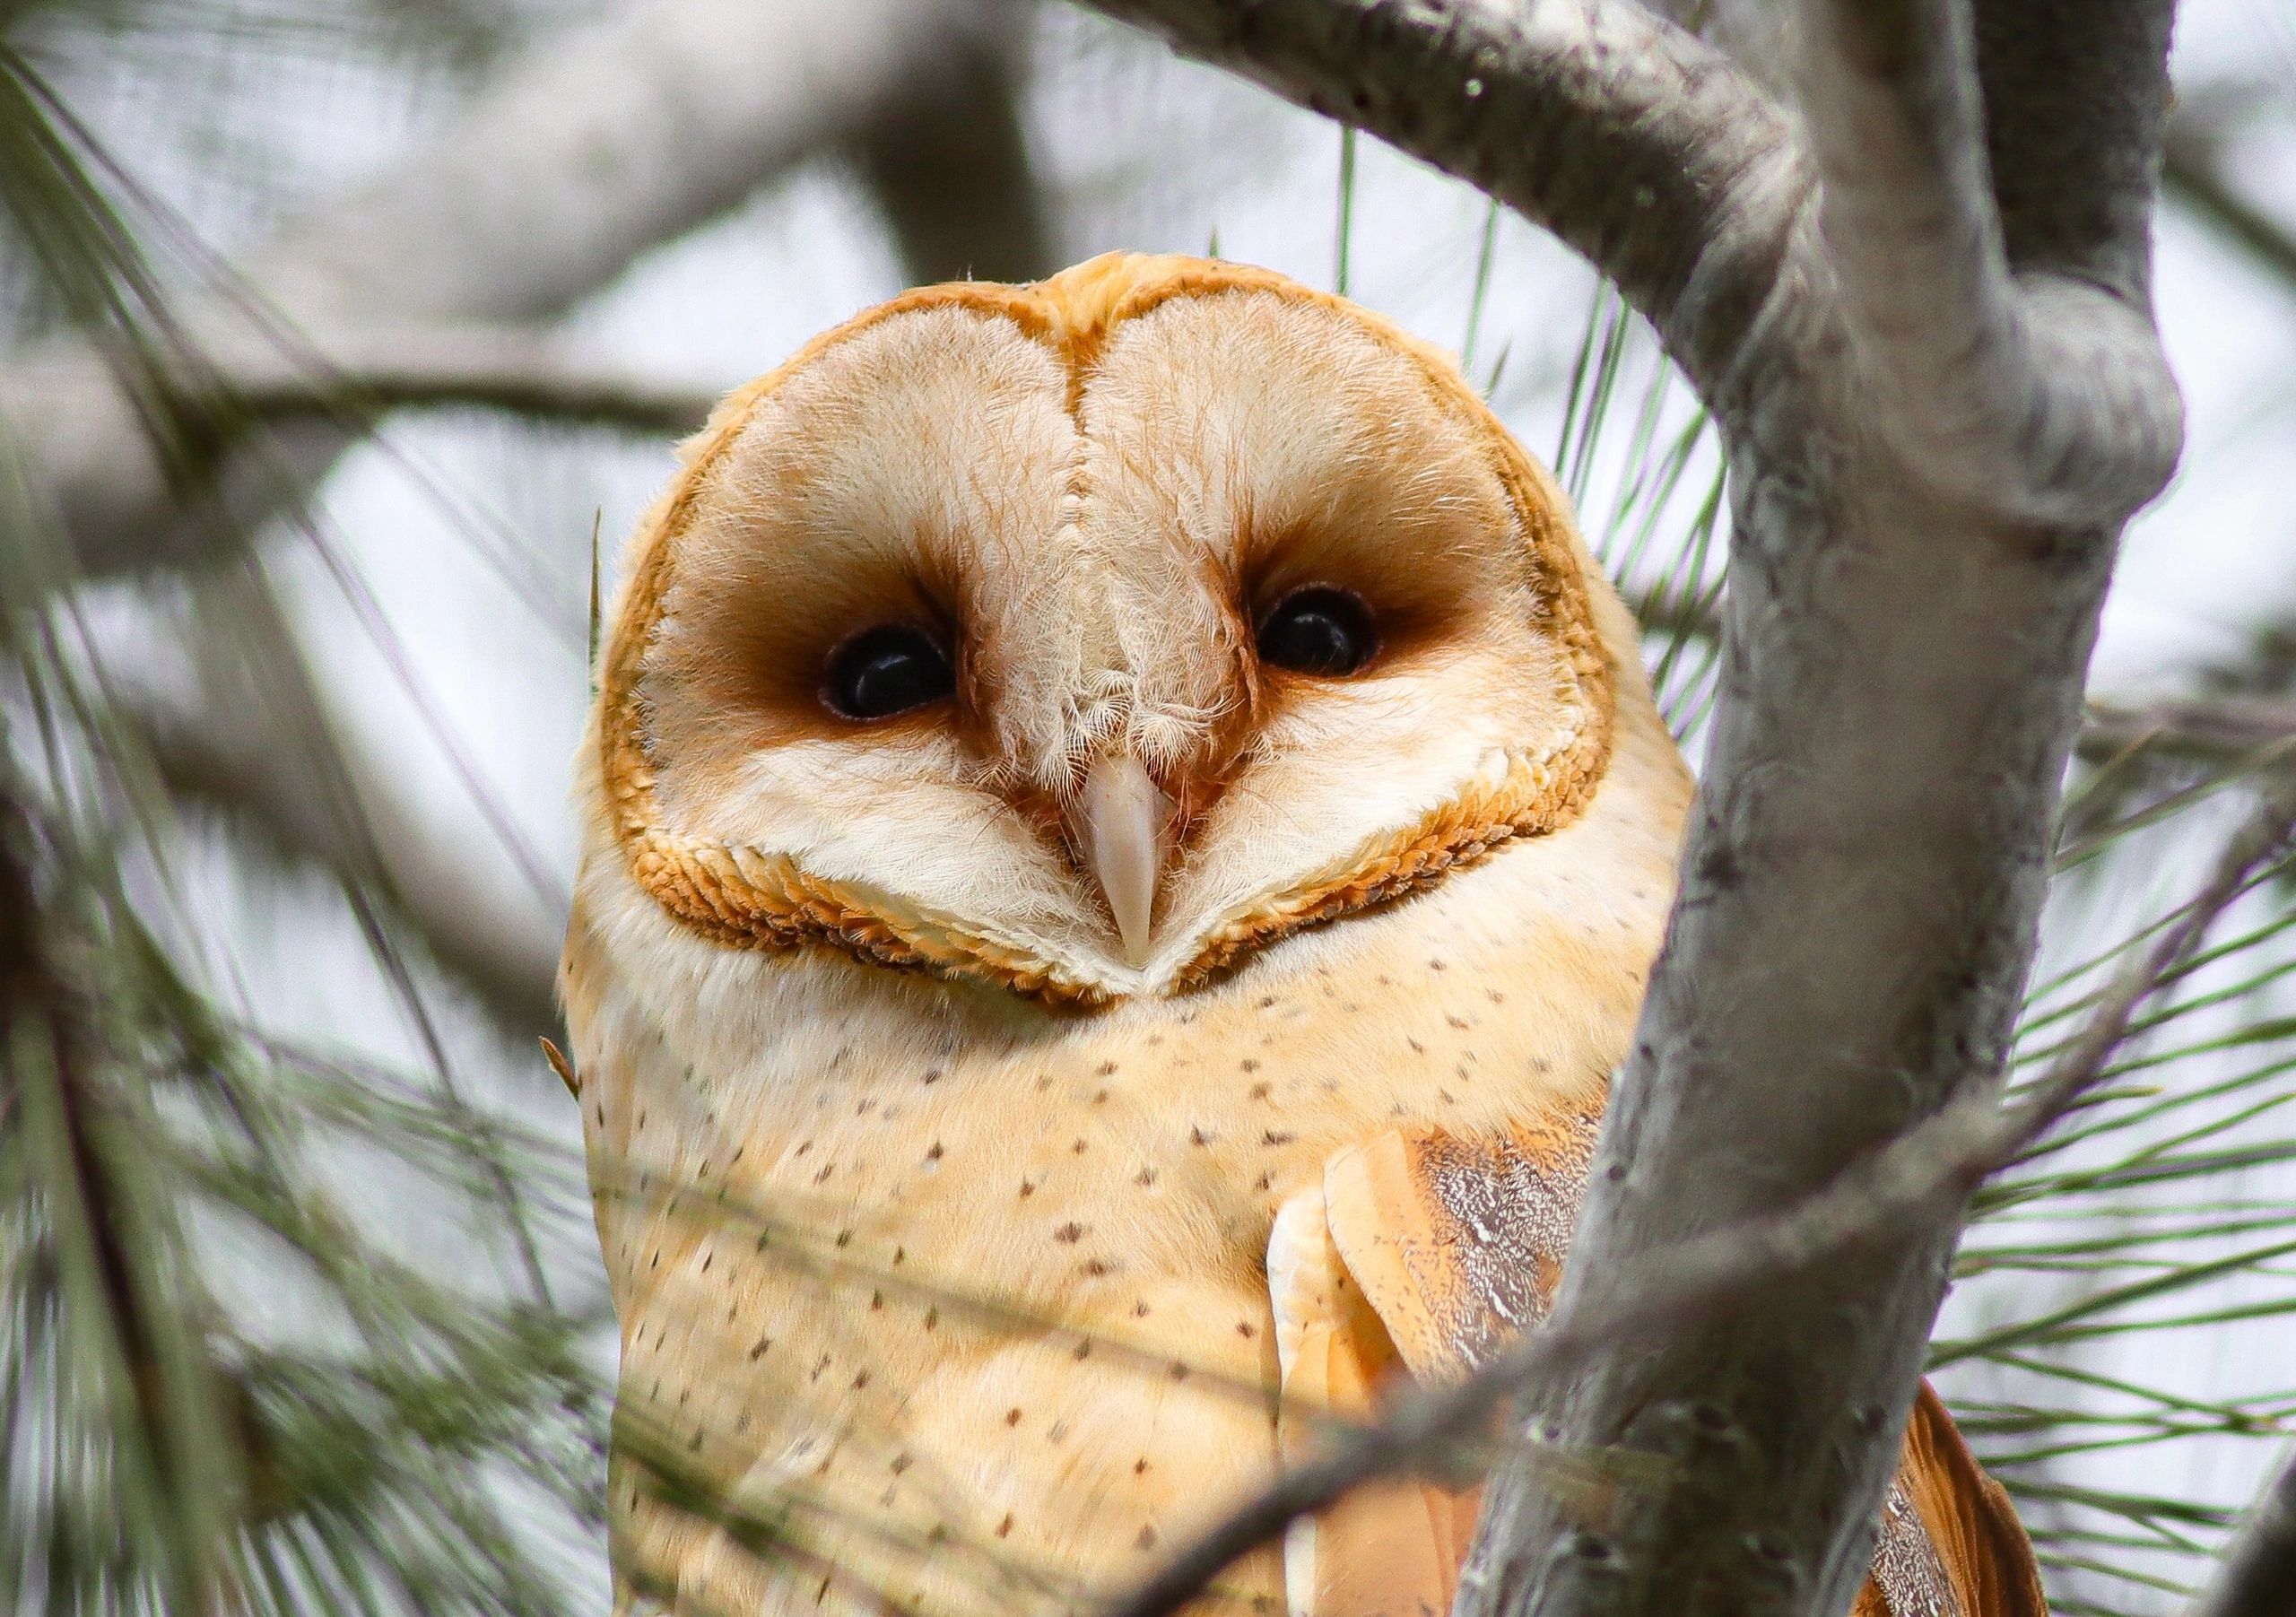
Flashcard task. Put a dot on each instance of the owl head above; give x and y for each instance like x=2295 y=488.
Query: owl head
x=1081 y=639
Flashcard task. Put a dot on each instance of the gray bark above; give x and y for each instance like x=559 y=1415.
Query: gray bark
x=1940 y=403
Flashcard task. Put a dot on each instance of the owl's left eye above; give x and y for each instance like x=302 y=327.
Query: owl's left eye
x=1318 y=629
x=886 y=670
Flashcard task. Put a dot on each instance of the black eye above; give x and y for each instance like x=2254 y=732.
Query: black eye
x=1318 y=629
x=884 y=670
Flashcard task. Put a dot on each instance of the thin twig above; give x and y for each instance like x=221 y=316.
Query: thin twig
x=1939 y=1160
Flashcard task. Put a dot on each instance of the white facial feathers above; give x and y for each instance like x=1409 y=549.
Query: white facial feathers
x=1094 y=532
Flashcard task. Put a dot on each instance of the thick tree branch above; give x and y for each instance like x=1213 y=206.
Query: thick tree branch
x=1926 y=478
x=2258 y=1576
x=2075 y=97
x=950 y=166
x=2041 y=395
x=575 y=160
x=1635 y=142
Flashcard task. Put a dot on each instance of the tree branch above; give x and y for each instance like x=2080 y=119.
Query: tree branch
x=2209 y=729
x=1636 y=144
x=2075 y=97
x=950 y=166
x=361 y=375
x=2040 y=395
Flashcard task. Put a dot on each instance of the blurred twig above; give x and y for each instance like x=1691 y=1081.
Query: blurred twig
x=2194 y=172
x=361 y=375
x=316 y=791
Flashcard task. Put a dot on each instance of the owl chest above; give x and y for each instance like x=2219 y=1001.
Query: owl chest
x=1066 y=1186
x=1085 y=1171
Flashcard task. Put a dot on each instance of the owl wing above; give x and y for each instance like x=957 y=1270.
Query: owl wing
x=1422 y=1253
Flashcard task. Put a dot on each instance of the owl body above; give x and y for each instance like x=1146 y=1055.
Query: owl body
x=1123 y=836
x=1013 y=1288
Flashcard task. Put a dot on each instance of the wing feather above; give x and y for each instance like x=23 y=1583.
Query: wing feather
x=1425 y=1252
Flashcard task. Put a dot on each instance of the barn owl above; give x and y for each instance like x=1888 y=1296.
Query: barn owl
x=1123 y=836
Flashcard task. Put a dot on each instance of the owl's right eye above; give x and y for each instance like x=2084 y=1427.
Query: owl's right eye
x=886 y=670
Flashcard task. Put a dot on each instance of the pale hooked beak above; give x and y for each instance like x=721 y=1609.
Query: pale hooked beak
x=1123 y=829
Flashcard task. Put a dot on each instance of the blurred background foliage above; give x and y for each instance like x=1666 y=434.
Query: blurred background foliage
x=341 y=337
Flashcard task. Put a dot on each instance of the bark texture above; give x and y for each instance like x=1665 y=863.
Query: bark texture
x=1920 y=312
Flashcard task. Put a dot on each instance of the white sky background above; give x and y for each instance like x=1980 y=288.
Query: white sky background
x=1140 y=152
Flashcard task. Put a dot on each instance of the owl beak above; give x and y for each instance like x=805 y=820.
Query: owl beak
x=1123 y=828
